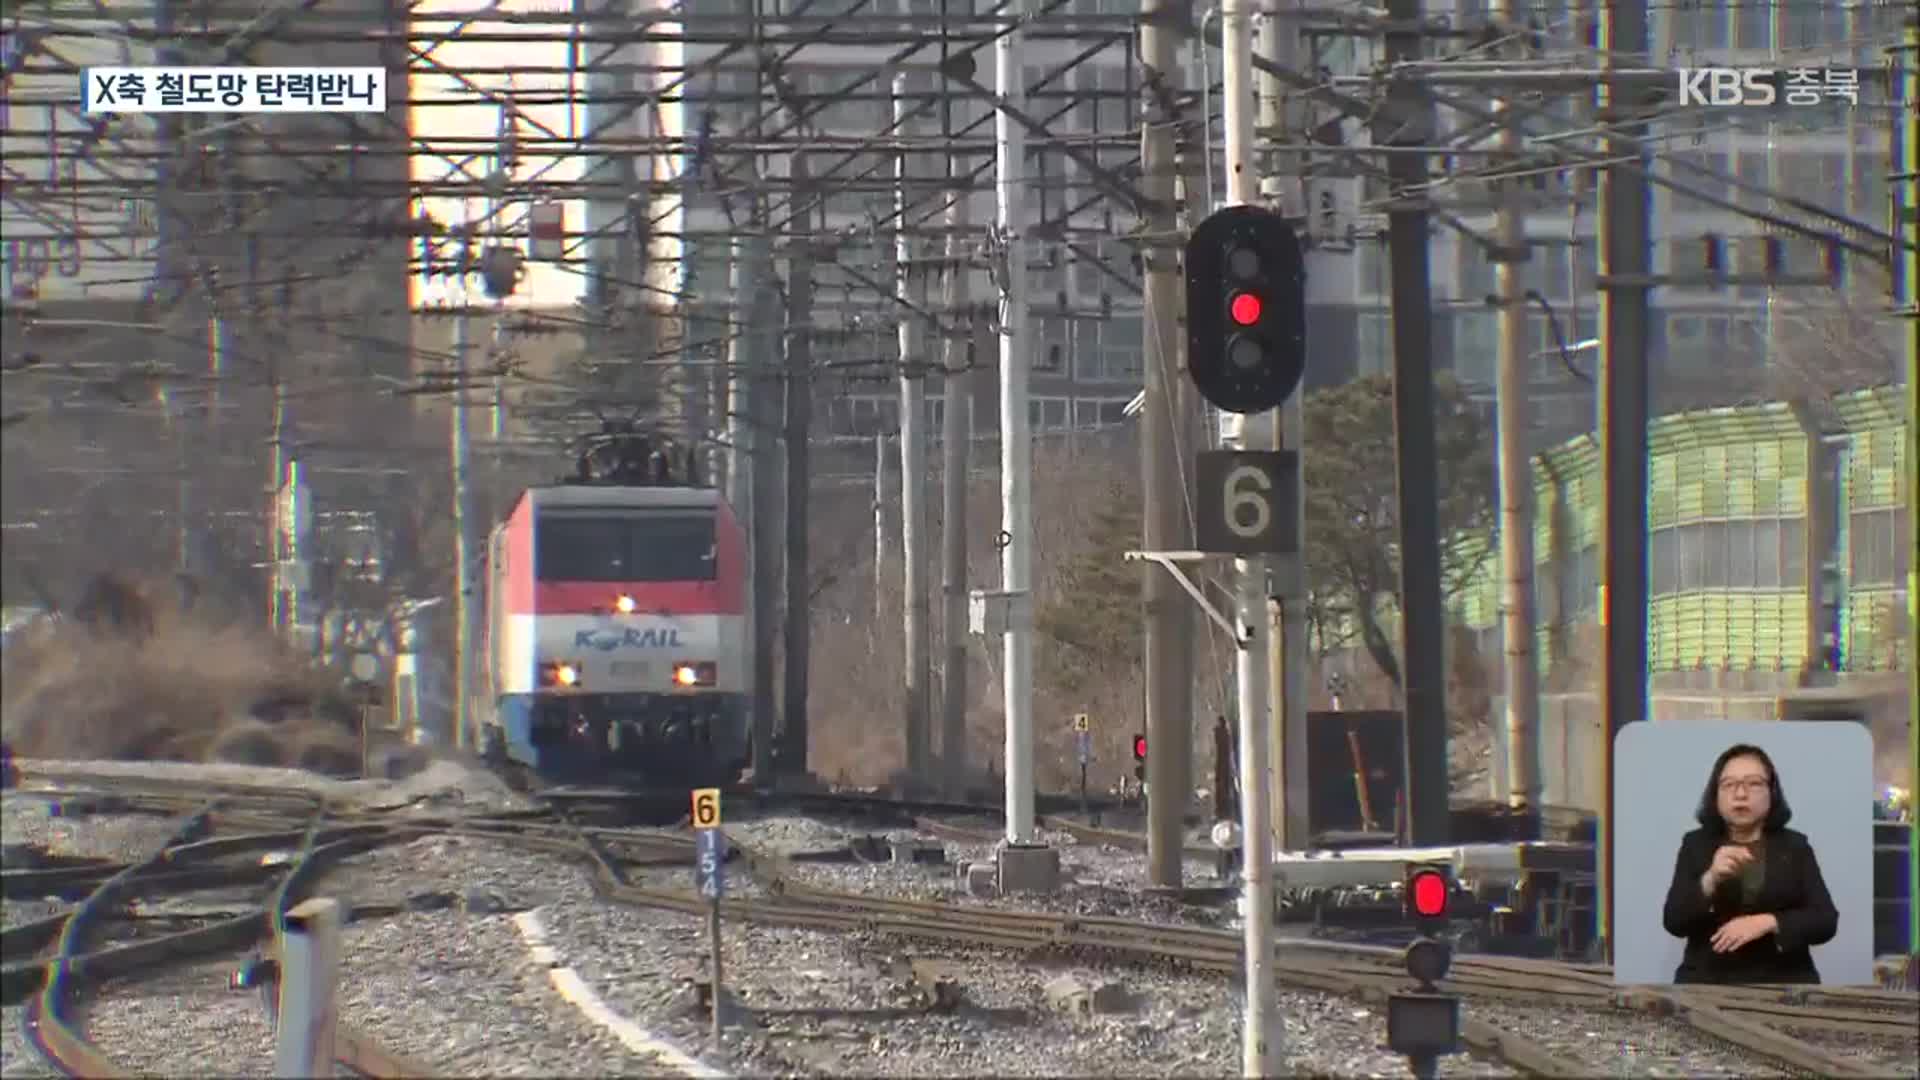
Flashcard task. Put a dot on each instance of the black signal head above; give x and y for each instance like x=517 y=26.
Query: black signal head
x=1246 y=309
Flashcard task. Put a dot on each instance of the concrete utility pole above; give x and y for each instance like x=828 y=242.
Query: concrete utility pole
x=278 y=577
x=207 y=433
x=609 y=231
x=769 y=518
x=1625 y=279
x=1016 y=437
x=799 y=427
x=765 y=318
x=1025 y=864
x=1169 y=614
x=748 y=280
x=1408 y=121
x=882 y=545
x=956 y=389
x=1511 y=254
x=295 y=524
x=913 y=458
x=465 y=535
x=1262 y=1037
x=1278 y=37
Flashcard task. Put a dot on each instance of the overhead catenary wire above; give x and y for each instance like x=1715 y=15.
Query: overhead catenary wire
x=1099 y=38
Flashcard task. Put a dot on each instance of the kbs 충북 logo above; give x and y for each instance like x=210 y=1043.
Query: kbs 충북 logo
x=1763 y=87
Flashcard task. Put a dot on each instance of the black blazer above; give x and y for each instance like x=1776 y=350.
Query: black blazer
x=1793 y=892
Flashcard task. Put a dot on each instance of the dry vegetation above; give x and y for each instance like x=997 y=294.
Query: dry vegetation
x=133 y=673
x=857 y=700
x=1086 y=507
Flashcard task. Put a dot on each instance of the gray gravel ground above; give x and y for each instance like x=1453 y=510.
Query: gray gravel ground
x=455 y=992
x=1095 y=880
x=1884 y=1055
x=453 y=985
x=24 y=820
x=1625 y=1044
x=833 y=1004
x=209 y=1030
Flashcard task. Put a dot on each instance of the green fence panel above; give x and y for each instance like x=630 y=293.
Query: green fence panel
x=1723 y=465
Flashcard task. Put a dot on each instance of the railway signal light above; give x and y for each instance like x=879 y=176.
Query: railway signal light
x=1428 y=887
x=1246 y=309
x=1425 y=1024
x=1140 y=756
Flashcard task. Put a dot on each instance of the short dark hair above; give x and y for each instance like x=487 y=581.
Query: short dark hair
x=1778 y=812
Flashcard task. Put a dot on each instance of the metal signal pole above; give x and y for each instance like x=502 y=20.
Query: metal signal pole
x=1516 y=476
x=1279 y=38
x=1409 y=122
x=1261 y=1032
x=1625 y=279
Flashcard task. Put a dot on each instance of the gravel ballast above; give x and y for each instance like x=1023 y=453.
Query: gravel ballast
x=451 y=983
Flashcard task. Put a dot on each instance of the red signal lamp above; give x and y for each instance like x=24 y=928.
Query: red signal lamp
x=1427 y=891
x=1139 y=748
x=1245 y=309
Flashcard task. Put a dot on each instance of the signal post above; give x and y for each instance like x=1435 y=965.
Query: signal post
x=1425 y=1024
x=710 y=877
x=1246 y=337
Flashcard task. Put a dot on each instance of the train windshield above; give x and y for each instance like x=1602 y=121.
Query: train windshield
x=604 y=546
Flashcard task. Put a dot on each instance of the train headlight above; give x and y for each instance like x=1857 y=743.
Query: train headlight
x=692 y=673
x=560 y=673
x=625 y=605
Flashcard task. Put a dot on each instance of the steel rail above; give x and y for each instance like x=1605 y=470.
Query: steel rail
x=52 y=1017
x=51 y=1026
x=1747 y=1017
x=1353 y=970
x=1026 y=933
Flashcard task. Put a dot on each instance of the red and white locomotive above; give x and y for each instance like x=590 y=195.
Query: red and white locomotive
x=617 y=625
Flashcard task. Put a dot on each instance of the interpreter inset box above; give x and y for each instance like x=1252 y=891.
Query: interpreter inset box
x=1743 y=853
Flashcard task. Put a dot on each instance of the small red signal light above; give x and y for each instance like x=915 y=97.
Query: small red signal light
x=1245 y=308
x=1429 y=892
x=1139 y=748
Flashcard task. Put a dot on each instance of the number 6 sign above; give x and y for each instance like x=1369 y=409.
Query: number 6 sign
x=706 y=808
x=1247 y=502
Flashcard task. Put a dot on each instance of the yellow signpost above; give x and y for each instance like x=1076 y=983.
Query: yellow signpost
x=710 y=855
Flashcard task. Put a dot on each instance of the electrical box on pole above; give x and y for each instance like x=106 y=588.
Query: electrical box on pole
x=1246 y=309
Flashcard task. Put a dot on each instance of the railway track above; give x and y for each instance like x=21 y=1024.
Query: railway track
x=1752 y=1019
x=63 y=988
x=1748 y=1018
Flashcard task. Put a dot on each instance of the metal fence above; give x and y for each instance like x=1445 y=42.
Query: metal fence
x=1727 y=506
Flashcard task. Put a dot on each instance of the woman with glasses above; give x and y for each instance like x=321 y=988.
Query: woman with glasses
x=1747 y=894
